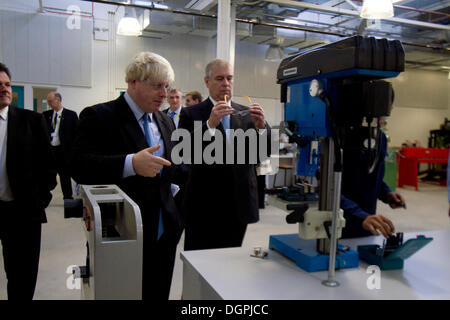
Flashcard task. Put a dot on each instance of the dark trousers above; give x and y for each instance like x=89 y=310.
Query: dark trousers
x=227 y=233
x=21 y=244
x=63 y=171
x=159 y=260
x=261 y=180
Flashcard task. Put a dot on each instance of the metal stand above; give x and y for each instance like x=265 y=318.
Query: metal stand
x=331 y=282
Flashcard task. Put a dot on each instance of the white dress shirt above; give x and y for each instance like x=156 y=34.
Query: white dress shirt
x=55 y=134
x=5 y=189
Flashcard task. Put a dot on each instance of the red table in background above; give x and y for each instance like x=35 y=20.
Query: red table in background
x=409 y=157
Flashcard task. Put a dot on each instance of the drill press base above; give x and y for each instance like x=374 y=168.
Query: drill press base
x=305 y=255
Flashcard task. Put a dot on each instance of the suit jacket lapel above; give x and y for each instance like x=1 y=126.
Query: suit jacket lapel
x=61 y=121
x=12 y=132
x=164 y=129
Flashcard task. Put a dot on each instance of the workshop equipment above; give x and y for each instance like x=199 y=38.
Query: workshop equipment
x=393 y=253
x=330 y=95
x=113 y=226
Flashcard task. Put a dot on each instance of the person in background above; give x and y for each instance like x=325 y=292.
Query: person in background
x=62 y=125
x=27 y=175
x=193 y=97
x=361 y=189
x=175 y=106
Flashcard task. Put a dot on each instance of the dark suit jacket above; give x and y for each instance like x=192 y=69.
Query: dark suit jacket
x=67 y=128
x=29 y=163
x=218 y=191
x=107 y=133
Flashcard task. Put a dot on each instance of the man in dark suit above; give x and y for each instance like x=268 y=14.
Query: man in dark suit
x=62 y=125
x=27 y=176
x=221 y=199
x=175 y=106
x=127 y=142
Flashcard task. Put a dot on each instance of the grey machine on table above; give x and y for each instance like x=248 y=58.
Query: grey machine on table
x=113 y=226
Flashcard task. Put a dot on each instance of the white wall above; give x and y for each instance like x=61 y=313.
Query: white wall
x=422 y=97
x=422 y=102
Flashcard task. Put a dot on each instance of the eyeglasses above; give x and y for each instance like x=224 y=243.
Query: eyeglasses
x=157 y=86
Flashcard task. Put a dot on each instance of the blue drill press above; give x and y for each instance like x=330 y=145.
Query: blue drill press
x=328 y=92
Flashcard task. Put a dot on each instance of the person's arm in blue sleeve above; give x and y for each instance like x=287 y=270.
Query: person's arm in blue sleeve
x=351 y=207
x=384 y=192
x=375 y=223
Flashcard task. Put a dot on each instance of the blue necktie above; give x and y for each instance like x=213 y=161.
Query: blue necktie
x=226 y=125
x=172 y=114
x=148 y=137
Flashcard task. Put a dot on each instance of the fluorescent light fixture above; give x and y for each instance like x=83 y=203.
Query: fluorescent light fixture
x=274 y=53
x=129 y=25
x=377 y=9
x=151 y=4
x=201 y=4
x=291 y=21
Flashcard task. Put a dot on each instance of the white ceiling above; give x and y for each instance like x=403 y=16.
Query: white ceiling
x=422 y=25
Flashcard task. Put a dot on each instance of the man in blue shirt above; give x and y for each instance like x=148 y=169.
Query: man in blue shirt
x=361 y=189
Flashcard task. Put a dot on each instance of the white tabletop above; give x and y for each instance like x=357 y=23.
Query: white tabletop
x=233 y=274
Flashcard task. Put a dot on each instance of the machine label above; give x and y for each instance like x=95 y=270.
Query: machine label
x=290 y=71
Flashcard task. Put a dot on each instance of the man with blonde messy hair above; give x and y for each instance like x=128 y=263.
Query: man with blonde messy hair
x=127 y=142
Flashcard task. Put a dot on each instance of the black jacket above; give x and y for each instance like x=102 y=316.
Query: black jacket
x=29 y=163
x=67 y=128
x=109 y=131
x=217 y=191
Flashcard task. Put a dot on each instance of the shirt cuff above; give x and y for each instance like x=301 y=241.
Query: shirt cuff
x=128 y=169
x=212 y=131
x=261 y=131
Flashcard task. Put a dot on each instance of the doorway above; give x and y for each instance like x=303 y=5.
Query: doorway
x=40 y=98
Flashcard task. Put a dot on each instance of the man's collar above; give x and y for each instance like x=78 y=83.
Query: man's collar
x=4 y=113
x=60 y=110
x=137 y=111
x=178 y=110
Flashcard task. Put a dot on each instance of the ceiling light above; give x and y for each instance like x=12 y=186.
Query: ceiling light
x=377 y=9
x=129 y=25
x=274 y=53
x=201 y=4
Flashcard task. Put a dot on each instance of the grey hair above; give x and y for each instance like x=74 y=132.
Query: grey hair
x=174 y=90
x=214 y=63
x=149 y=66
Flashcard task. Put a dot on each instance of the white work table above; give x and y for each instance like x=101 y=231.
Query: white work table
x=233 y=274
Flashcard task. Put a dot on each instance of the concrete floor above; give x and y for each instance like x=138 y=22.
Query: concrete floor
x=63 y=240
